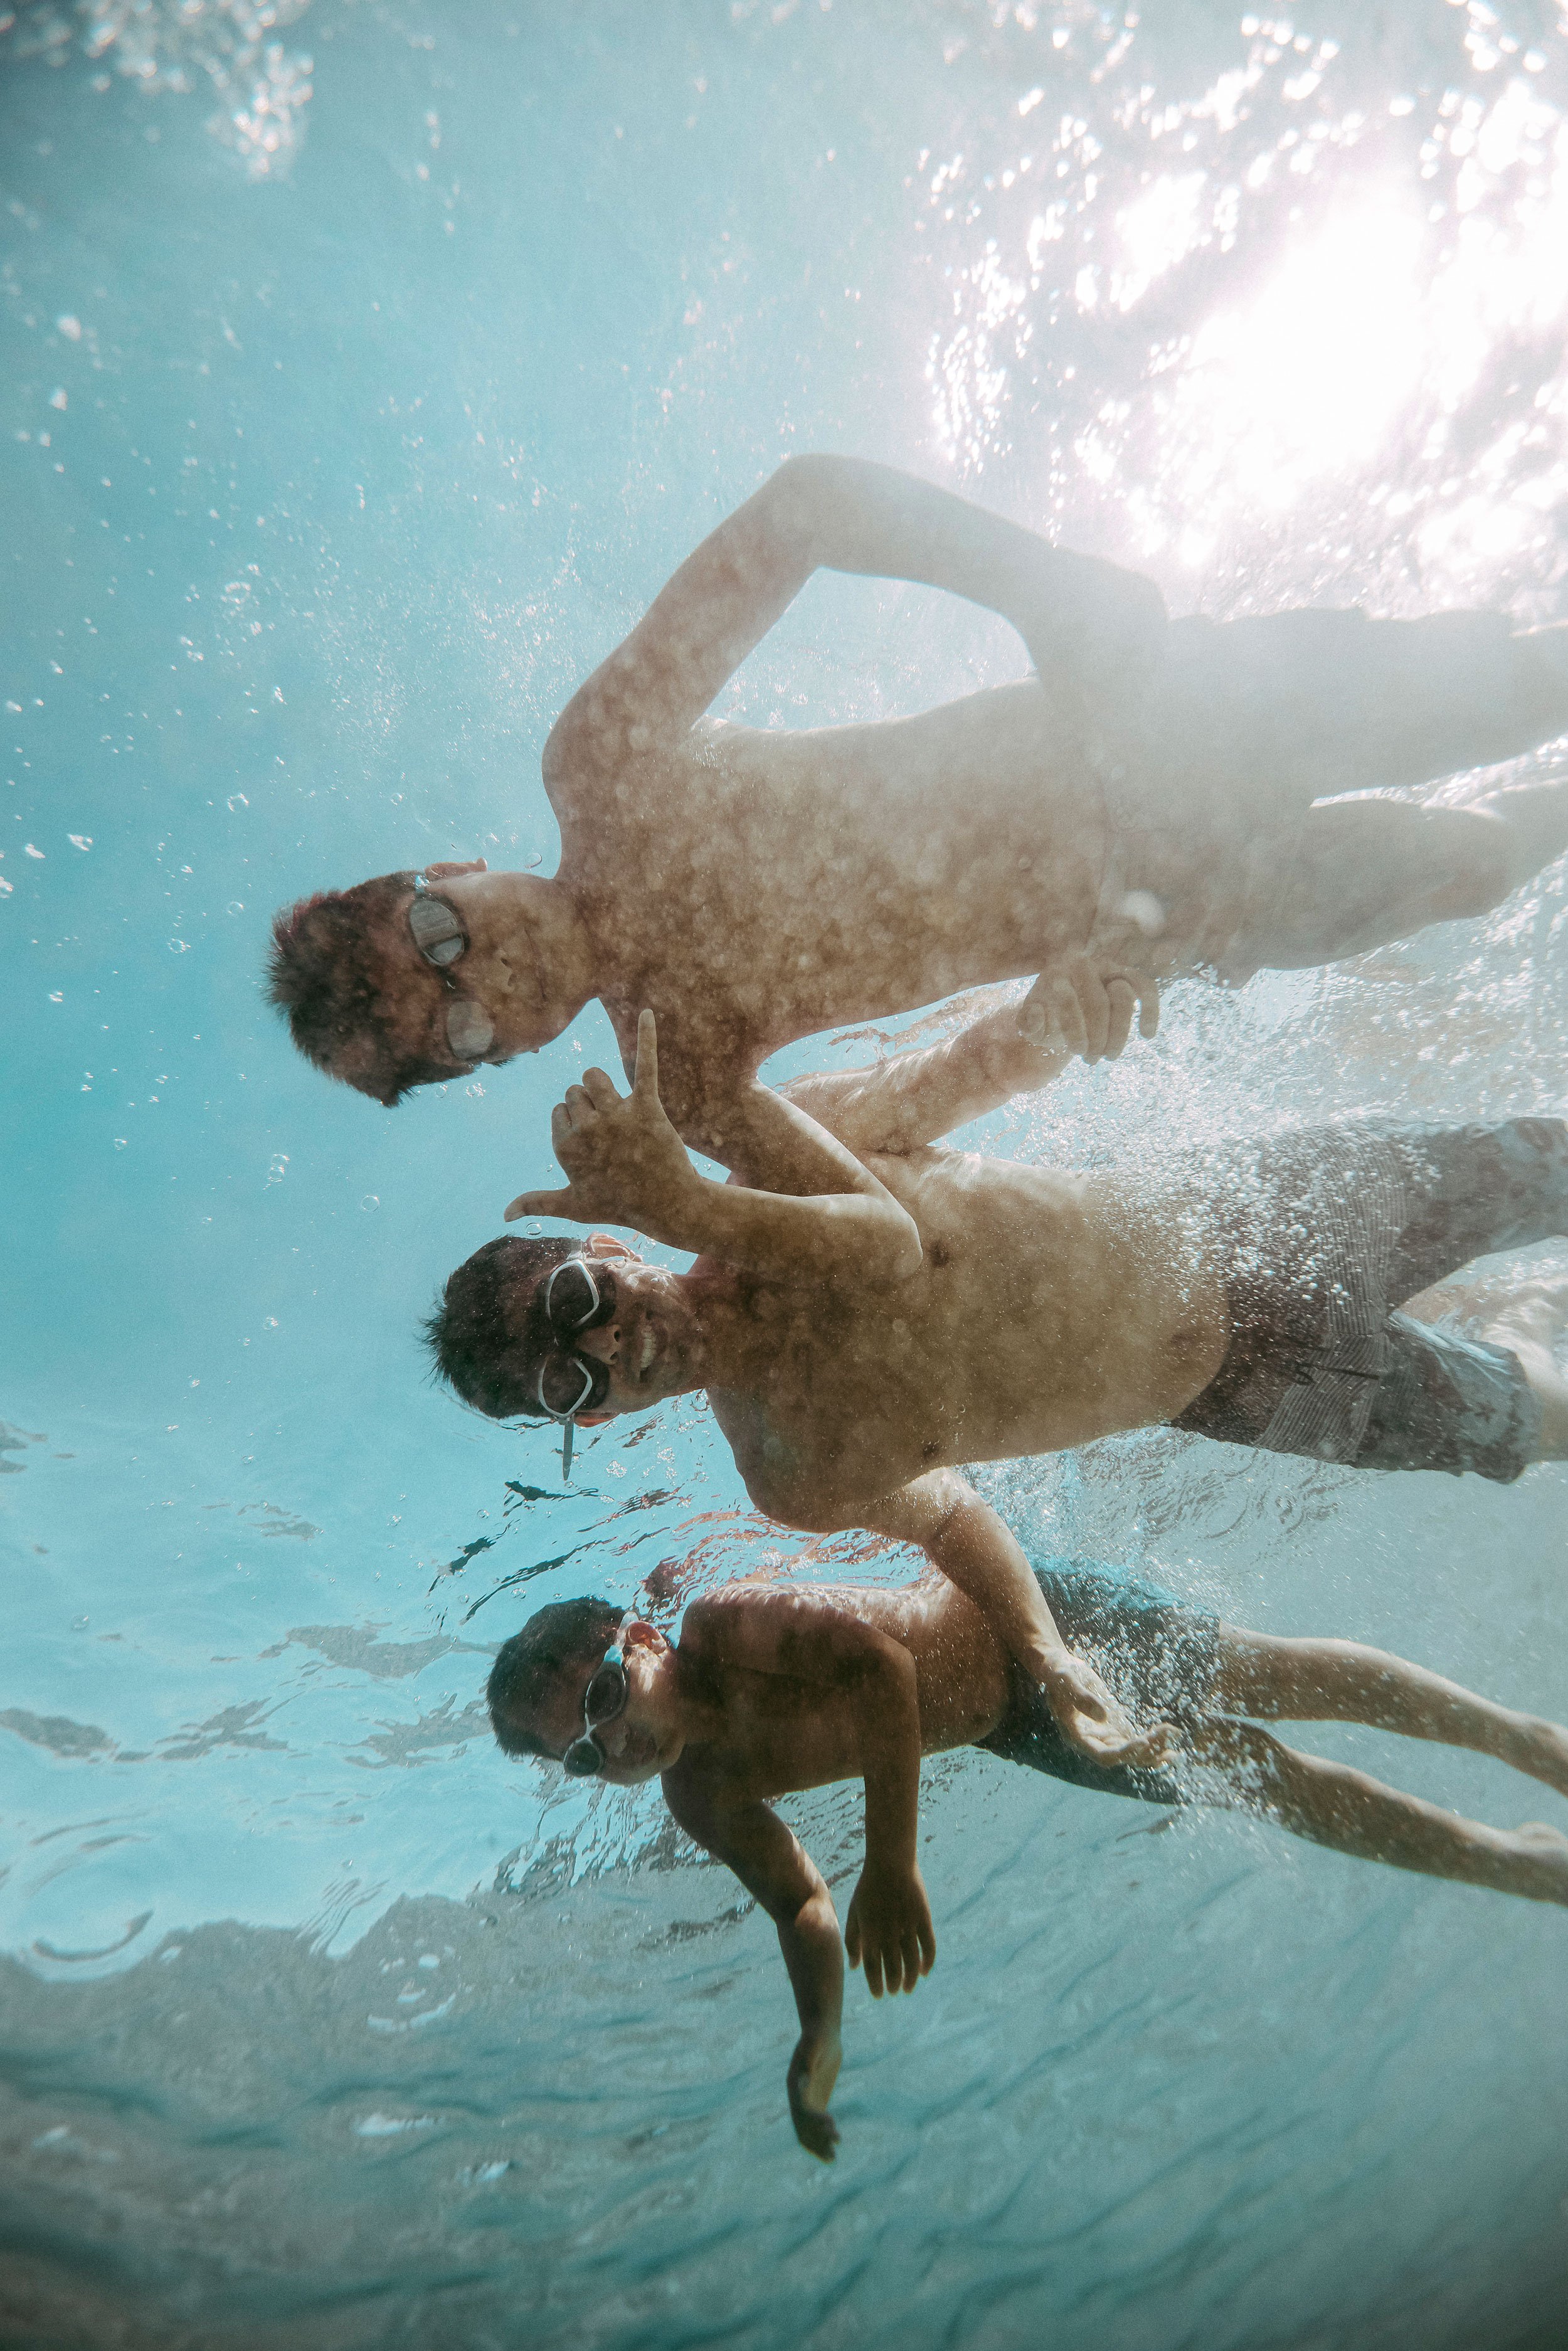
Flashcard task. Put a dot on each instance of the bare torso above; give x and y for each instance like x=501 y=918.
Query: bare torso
x=755 y=887
x=779 y=1735
x=1050 y=1310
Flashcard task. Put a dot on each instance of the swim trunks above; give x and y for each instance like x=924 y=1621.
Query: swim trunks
x=1245 y=724
x=1158 y=1657
x=1330 y=1230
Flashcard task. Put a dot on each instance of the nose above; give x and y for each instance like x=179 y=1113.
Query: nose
x=603 y=1344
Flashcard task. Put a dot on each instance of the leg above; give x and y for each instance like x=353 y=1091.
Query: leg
x=1350 y=1813
x=1475 y=1191
x=1344 y=1681
x=1358 y=875
x=1526 y=1326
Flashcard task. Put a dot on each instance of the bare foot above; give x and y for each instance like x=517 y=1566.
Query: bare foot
x=1534 y=1314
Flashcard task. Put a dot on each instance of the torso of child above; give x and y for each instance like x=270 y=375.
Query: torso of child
x=780 y=1735
x=1050 y=1310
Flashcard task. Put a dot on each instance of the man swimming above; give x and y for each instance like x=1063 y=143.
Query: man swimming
x=882 y=1312
x=773 y=1689
x=1145 y=799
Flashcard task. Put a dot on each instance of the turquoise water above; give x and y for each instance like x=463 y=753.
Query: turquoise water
x=365 y=371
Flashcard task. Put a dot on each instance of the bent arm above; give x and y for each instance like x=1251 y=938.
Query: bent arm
x=962 y=1536
x=823 y=1211
x=842 y=513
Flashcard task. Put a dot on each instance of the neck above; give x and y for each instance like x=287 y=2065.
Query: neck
x=729 y=1343
x=529 y=933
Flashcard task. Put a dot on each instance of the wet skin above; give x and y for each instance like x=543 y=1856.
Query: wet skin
x=754 y=886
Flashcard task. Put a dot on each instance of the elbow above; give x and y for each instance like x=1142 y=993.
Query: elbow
x=889 y=1250
x=803 y=489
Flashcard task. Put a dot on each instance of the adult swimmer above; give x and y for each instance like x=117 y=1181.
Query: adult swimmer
x=918 y=1308
x=772 y=1688
x=1146 y=798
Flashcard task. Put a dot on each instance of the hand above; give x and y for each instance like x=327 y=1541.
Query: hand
x=624 y=1161
x=814 y=2070
x=889 y=1931
x=1091 y=1719
x=1083 y=1005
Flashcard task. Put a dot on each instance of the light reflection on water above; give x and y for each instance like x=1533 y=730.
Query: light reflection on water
x=323 y=2024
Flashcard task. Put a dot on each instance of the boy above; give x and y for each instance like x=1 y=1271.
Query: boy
x=1146 y=798
x=773 y=1689
x=884 y=1311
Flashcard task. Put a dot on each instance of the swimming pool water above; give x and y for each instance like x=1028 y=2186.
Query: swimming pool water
x=366 y=369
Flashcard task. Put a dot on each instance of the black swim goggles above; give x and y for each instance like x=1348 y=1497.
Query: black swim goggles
x=577 y=1297
x=602 y=1700
x=441 y=938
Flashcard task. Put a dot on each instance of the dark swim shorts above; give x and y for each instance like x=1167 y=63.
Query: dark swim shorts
x=1159 y=1657
x=1330 y=1229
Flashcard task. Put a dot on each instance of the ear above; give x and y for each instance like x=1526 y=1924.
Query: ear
x=602 y=1245
x=636 y=1633
x=449 y=871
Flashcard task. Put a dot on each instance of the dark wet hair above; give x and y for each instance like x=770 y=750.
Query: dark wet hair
x=568 y=1633
x=484 y=1346
x=327 y=973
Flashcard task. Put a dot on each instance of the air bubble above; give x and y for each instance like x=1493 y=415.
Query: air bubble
x=80 y=839
x=369 y=1201
x=279 y=1167
x=121 y=1141
x=237 y=800
x=234 y=906
x=179 y=946
x=270 y=1322
x=475 y=1091
x=535 y=857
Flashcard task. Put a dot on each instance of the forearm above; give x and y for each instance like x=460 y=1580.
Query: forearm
x=782 y=1235
x=814 y=1954
x=916 y=1097
x=975 y=1550
x=866 y=519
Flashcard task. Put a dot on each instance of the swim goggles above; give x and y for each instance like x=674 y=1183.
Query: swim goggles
x=602 y=1700
x=441 y=938
x=578 y=1297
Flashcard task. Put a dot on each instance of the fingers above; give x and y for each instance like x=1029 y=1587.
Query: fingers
x=1052 y=1016
x=1120 y=1001
x=818 y=2134
x=646 y=1078
x=1095 y=1005
x=913 y=1970
x=600 y=1089
x=1149 y=1010
x=852 y=1936
x=540 y=1204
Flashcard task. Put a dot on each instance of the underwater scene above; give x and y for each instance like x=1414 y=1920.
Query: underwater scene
x=370 y=366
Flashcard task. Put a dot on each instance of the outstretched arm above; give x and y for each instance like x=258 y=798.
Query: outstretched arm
x=974 y=1548
x=1077 y=1008
x=627 y=1165
x=773 y=1864
x=843 y=514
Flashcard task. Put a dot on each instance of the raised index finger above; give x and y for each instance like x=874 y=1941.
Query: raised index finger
x=645 y=1077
